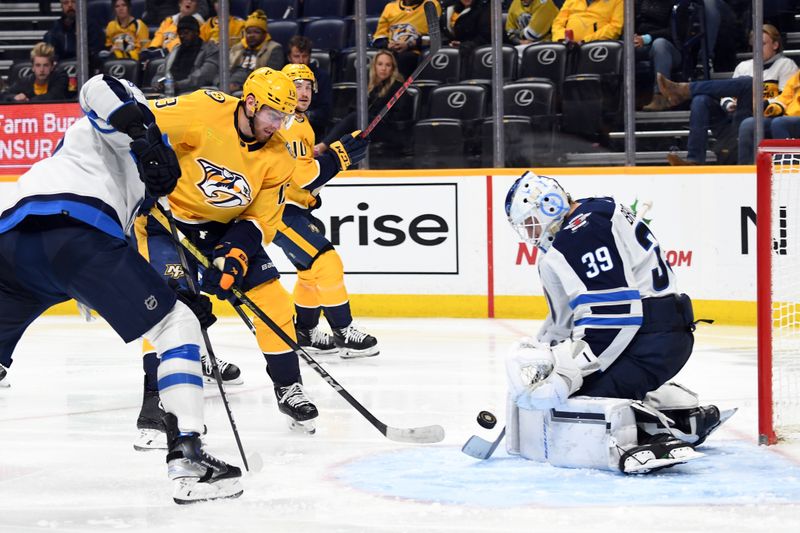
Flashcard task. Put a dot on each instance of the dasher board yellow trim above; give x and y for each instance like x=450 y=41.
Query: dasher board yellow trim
x=471 y=306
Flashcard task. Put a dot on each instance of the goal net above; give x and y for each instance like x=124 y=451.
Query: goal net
x=778 y=288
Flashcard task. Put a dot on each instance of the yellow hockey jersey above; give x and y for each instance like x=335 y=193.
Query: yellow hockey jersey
x=531 y=22
x=401 y=23
x=209 y=31
x=223 y=178
x=300 y=138
x=127 y=41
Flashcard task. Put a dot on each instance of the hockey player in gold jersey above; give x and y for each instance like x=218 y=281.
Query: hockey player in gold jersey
x=235 y=167
x=320 y=273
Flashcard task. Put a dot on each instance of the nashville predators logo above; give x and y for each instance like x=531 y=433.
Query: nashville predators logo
x=404 y=32
x=173 y=271
x=222 y=187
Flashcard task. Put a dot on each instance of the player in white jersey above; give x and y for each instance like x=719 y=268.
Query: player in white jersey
x=617 y=326
x=62 y=236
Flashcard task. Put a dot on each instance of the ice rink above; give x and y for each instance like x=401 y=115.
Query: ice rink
x=68 y=421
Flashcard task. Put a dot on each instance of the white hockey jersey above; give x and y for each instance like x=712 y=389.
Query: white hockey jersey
x=601 y=265
x=92 y=176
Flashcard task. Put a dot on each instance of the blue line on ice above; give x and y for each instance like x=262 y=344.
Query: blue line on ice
x=733 y=472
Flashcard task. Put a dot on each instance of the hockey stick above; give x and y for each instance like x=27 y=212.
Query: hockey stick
x=419 y=435
x=435 y=35
x=163 y=208
x=480 y=448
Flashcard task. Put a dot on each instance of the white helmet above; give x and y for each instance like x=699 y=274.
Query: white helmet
x=536 y=206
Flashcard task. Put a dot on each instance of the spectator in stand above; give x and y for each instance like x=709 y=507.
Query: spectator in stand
x=193 y=63
x=736 y=94
x=529 y=21
x=47 y=83
x=299 y=51
x=125 y=34
x=384 y=80
x=209 y=31
x=401 y=28
x=256 y=50
x=63 y=38
x=582 y=21
x=157 y=10
x=166 y=37
x=469 y=26
x=652 y=41
x=781 y=120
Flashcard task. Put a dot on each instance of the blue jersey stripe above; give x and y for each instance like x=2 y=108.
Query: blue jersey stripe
x=615 y=321
x=77 y=210
x=190 y=352
x=179 y=379
x=617 y=296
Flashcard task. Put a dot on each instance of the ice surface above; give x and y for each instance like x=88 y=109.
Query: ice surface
x=68 y=421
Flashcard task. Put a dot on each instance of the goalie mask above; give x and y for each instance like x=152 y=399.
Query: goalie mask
x=536 y=207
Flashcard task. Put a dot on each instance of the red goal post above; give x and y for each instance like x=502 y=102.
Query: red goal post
x=778 y=289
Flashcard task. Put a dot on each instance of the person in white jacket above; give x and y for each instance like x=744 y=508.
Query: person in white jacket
x=62 y=236
x=722 y=103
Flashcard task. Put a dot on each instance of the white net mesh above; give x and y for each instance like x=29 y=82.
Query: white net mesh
x=786 y=294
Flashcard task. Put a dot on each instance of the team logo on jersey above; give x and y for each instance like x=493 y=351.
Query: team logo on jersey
x=173 y=271
x=404 y=32
x=222 y=187
x=578 y=222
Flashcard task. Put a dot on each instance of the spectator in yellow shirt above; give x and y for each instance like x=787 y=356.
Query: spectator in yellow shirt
x=166 y=36
x=125 y=34
x=209 y=31
x=589 y=20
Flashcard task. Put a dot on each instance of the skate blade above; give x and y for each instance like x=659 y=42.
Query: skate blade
x=150 y=439
x=639 y=464
x=188 y=490
x=316 y=351
x=211 y=381
x=306 y=427
x=356 y=354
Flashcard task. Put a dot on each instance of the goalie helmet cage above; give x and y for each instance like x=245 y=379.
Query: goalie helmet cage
x=778 y=289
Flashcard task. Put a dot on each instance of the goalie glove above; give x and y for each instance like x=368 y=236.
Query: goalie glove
x=157 y=163
x=541 y=377
x=350 y=150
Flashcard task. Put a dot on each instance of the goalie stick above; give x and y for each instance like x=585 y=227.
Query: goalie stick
x=163 y=205
x=481 y=448
x=435 y=34
x=419 y=435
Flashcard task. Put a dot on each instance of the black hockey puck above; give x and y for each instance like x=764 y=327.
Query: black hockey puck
x=487 y=419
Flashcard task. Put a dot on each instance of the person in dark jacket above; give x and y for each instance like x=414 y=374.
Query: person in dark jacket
x=652 y=41
x=63 y=35
x=193 y=63
x=469 y=24
x=384 y=80
x=47 y=82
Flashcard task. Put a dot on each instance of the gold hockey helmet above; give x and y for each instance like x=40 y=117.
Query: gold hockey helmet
x=271 y=88
x=299 y=71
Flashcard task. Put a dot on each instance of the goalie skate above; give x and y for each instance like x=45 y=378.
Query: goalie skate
x=198 y=476
x=662 y=452
x=230 y=373
x=293 y=402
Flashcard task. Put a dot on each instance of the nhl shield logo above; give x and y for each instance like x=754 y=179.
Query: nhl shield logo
x=151 y=303
x=222 y=187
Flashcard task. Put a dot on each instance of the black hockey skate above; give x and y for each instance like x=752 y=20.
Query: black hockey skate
x=658 y=452
x=152 y=433
x=198 y=476
x=354 y=343
x=701 y=421
x=230 y=373
x=4 y=383
x=293 y=402
x=316 y=342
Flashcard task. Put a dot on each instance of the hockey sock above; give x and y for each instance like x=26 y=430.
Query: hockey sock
x=307 y=318
x=180 y=385
x=276 y=302
x=283 y=369
x=339 y=316
x=150 y=364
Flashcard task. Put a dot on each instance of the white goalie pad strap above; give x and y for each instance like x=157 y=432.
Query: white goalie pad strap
x=512 y=426
x=582 y=432
x=672 y=395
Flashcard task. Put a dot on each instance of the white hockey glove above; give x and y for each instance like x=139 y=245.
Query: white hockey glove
x=540 y=377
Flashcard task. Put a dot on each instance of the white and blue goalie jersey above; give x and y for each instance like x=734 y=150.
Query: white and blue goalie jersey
x=602 y=263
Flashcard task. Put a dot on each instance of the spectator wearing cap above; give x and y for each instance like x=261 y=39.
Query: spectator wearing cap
x=47 y=82
x=256 y=49
x=125 y=34
x=209 y=31
x=166 y=37
x=193 y=63
x=299 y=51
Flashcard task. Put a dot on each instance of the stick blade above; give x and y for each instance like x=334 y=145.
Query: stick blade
x=478 y=448
x=421 y=435
x=434 y=32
